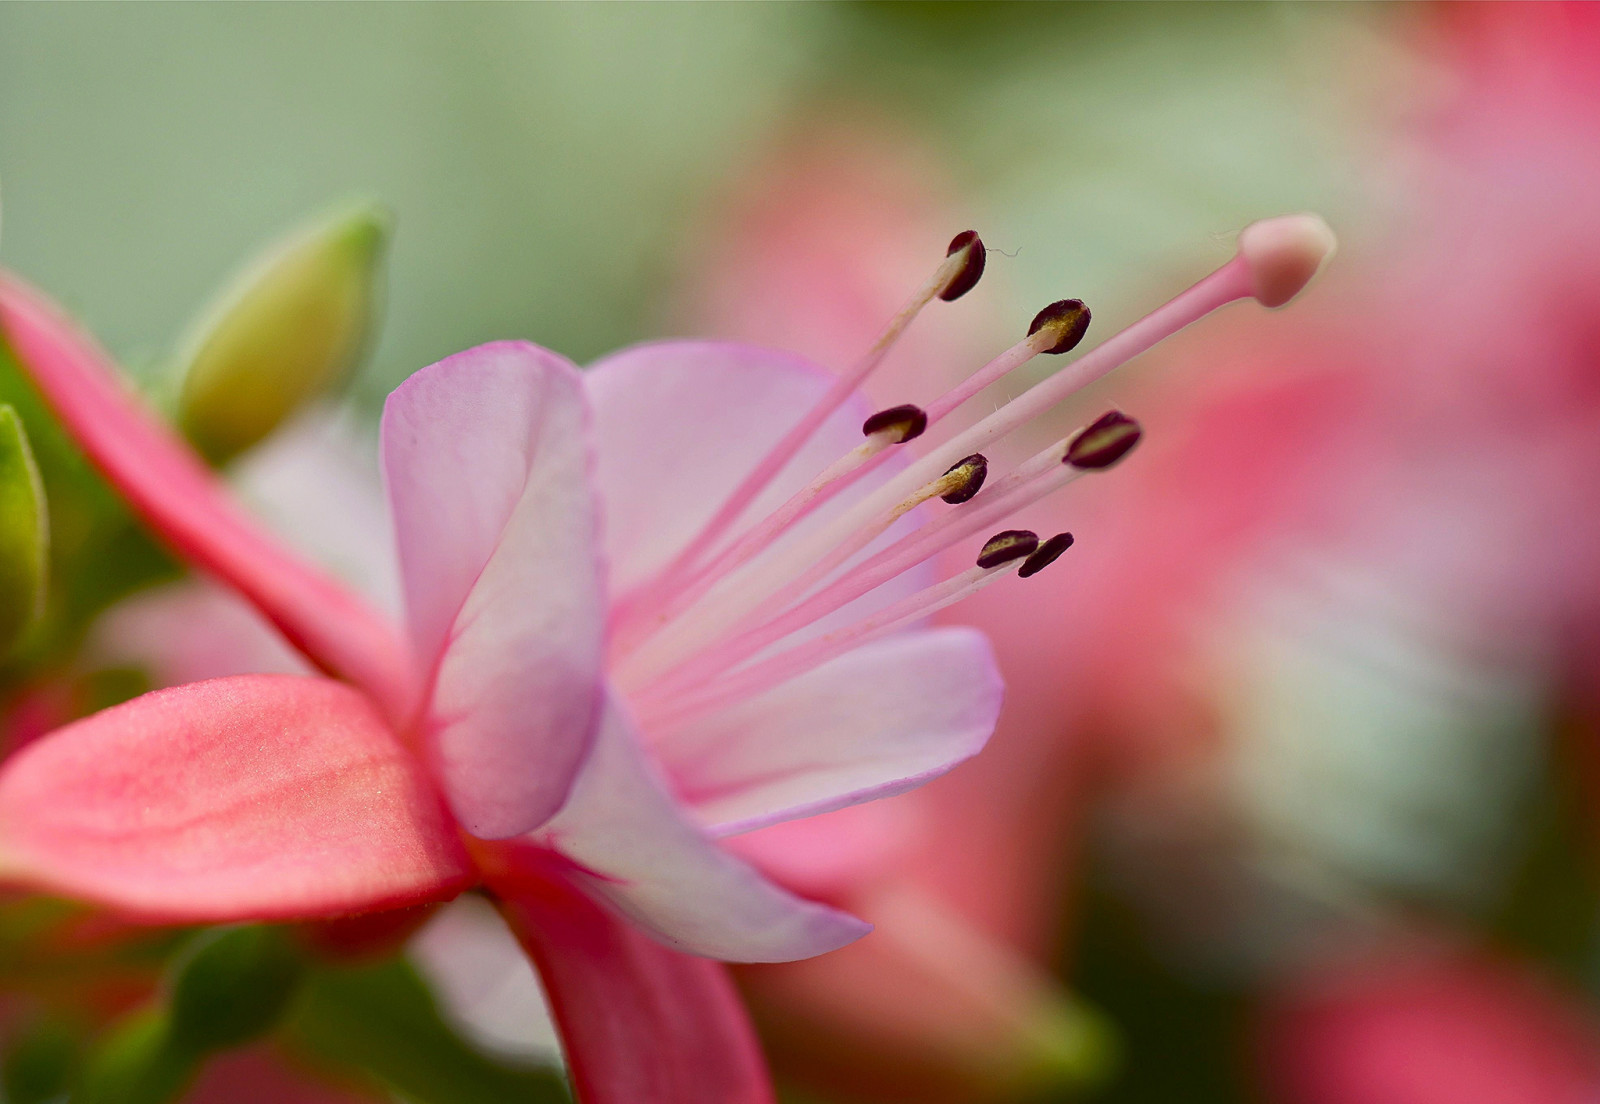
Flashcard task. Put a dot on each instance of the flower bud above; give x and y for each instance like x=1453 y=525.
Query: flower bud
x=24 y=533
x=290 y=328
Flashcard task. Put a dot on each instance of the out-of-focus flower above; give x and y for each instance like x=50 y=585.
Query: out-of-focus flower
x=1439 y=1027
x=1354 y=575
x=291 y=327
x=24 y=532
x=1321 y=625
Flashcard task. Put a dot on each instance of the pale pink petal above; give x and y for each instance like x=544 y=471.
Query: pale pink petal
x=485 y=985
x=678 y=424
x=251 y=798
x=189 y=631
x=641 y=853
x=487 y=461
x=315 y=483
x=180 y=499
x=874 y=722
x=641 y=1024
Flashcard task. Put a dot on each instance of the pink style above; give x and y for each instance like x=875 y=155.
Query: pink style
x=637 y=623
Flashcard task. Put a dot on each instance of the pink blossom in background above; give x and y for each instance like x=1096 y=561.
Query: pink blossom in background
x=1427 y=1027
x=1404 y=476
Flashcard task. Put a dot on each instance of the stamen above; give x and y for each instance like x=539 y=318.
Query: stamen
x=1037 y=477
x=898 y=424
x=1013 y=544
x=972 y=471
x=1048 y=553
x=1110 y=438
x=1062 y=320
x=974 y=256
x=663 y=706
x=1055 y=329
x=955 y=276
x=1275 y=259
x=1067 y=319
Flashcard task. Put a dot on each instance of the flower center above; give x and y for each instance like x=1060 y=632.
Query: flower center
x=701 y=634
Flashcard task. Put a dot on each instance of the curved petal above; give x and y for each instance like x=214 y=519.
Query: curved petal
x=251 y=798
x=874 y=722
x=678 y=424
x=177 y=496
x=637 y=850
x=640 y=1024
x=487 y=461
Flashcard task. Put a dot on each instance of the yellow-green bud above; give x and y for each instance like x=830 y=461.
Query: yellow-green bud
x=289 y=328
x=24 y=533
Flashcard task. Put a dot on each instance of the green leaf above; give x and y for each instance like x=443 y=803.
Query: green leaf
x=137 y=1063
x=231 y=986
x=24 y=533
x=383 y=1019
x=39 y=1060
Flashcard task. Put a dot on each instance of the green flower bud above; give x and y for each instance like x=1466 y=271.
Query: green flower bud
x=290 y=328
x=24 y=533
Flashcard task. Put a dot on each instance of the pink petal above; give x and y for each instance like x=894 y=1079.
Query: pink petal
x=679 y=423
x=642 y=854
x=486 y=456
x=641 y=1024
x=179 y=498
x=249 y=798
x=874 y=722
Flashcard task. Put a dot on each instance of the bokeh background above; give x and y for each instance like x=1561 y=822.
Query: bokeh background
x=1292 y=800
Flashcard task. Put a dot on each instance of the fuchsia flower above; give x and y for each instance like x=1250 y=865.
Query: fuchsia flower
x=634 y=627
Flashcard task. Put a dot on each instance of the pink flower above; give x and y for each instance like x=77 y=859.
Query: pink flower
x=1441 y=1029
x=607 y=666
